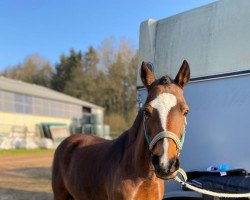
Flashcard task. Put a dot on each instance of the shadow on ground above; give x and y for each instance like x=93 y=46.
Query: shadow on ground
x=34 y=172
x=26 y=184
x=14 y=194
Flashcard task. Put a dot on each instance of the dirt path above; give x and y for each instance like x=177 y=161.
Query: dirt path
x=25 y=177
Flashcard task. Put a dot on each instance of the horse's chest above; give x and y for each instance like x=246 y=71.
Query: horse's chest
x=141 y=190
x=150 y=191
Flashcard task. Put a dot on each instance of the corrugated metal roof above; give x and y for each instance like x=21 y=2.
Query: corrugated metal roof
x=21 y=87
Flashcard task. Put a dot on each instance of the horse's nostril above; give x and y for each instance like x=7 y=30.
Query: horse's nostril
x=177 y=163
x=174 y=164
x=155 y=160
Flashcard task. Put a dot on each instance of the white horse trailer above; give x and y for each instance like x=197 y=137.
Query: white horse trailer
x=215 y=40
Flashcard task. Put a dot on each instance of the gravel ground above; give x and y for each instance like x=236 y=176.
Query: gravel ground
x=26 y=177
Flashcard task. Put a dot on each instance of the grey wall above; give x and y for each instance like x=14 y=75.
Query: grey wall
x=218 y=130
x=213 y=38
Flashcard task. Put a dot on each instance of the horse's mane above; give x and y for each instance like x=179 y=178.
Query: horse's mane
x=136 y=125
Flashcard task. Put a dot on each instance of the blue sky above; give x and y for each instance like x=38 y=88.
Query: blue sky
x=51 y=27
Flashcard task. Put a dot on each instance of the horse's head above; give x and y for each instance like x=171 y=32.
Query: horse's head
x=164 y=122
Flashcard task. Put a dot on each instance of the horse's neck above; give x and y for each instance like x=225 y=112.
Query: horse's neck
x=138 y=148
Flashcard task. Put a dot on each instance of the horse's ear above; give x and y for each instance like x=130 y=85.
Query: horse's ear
x=183 y=75
x=147 y=75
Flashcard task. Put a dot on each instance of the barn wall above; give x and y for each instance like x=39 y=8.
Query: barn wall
x=13 y=119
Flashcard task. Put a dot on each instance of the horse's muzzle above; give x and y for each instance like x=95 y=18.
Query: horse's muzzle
x=168 y=172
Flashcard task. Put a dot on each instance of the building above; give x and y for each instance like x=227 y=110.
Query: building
x=24 y=104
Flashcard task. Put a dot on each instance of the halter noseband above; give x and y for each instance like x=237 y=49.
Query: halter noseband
x=164 y=134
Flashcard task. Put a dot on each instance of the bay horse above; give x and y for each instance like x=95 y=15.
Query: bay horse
x=133 y=166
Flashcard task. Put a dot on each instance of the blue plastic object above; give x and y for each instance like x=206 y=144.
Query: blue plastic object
x=218 y=168
x=222 y=168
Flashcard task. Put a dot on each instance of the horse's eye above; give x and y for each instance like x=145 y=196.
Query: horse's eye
x=146 y=113
x=186 y=112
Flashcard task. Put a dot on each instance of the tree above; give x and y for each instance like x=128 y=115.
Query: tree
x=35 y=69
x=91 y=59
x=77 y=75
x=116 y=84
x=121 y=78
x=64 y=70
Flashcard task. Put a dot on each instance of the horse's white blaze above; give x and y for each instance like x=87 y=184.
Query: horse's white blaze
x=163 y=104
x=164 y=157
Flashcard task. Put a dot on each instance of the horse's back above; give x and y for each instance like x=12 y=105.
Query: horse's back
x=82 y=140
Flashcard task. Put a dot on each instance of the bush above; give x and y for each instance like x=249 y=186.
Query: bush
x=117 y=124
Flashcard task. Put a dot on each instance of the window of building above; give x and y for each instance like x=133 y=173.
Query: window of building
x=21 y=103
x=7 y=101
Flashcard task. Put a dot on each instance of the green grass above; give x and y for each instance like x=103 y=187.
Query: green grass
x=25 y=151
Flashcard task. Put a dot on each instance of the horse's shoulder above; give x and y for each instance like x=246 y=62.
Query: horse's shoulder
x=71 y=144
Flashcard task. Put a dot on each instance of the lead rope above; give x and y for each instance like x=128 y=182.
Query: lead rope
x=207 y=192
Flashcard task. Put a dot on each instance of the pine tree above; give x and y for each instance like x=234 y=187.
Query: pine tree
x=64 y=70
x=81 y=82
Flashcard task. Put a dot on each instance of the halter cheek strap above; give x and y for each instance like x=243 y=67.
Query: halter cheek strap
x=164 y=134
